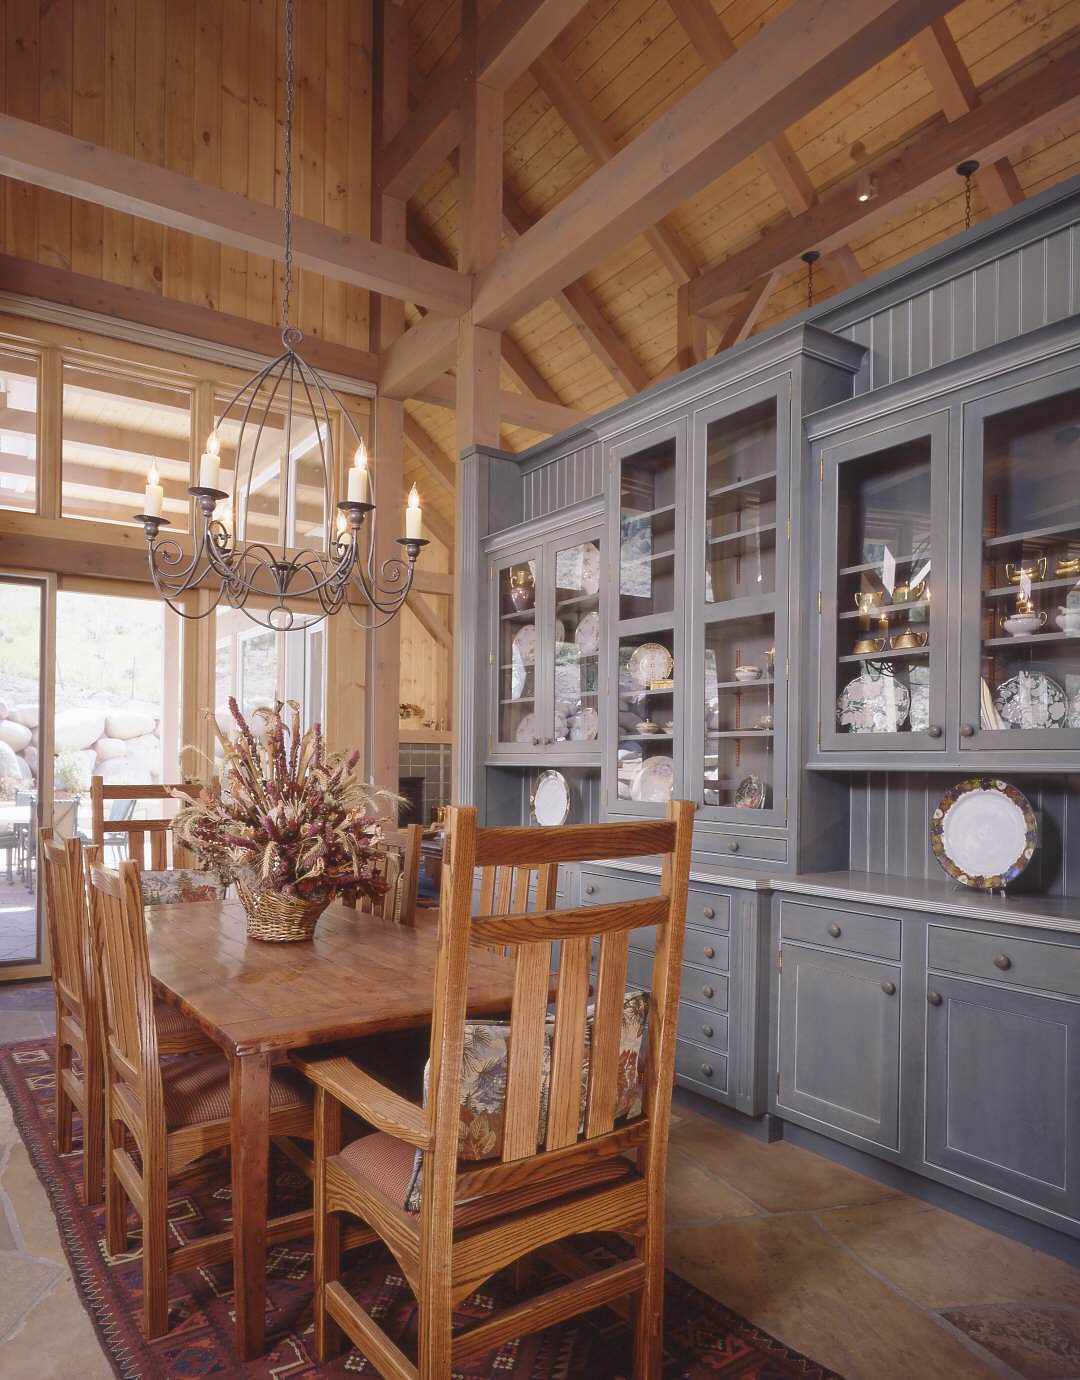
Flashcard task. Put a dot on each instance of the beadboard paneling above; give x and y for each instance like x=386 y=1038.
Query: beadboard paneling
x=890 y=826
x=559 y=483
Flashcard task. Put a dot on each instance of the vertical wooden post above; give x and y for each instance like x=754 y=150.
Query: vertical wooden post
x=388 y=216
x=199 y=663
x=50 y=433
x=691 y=341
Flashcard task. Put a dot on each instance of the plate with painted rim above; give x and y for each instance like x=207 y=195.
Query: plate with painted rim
x=750 y=793
x=873 y=702
x=524 y=645
x=654 y=781
x=550 y=803
x=587 y=634
x=1030 y=700
x=651 y=661
x=983 y=833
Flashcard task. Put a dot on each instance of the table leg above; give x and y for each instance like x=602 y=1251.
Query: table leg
x=250 y=1172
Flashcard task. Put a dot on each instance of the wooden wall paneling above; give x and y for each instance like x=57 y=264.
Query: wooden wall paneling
x=148 y=238
x=23 y=94
x=55 y=109
x=262 y=143
x=178 y=272
x=359 y=187
x=309 y=144
x=88 y=122
x=235 y=118
x=118 y=228
x=206 y=254
x=335 y=208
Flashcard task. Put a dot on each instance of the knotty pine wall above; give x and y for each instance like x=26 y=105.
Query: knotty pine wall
x=196 y=86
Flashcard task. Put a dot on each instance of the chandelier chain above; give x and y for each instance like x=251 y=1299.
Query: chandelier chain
x=287 y=335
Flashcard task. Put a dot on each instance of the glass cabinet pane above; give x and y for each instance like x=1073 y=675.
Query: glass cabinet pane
x=740 y=718
x=1030 y=632
x=887 y=641
x=646 y=730
x=647 y=532
x=518 y=651
x=576 y=638
x=740 y=504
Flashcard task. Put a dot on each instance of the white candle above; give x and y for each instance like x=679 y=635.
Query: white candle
x=413 y=516
x=154 y=494
x=359 y=485
x=210 y=462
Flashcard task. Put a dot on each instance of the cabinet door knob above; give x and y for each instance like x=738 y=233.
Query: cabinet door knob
x=589 y=888
x=709 y=951
x=835 y=930
x=934 y=998
x=933 y=731
x=707 y=1031
x=706 y=1069
x=706 y=991
x=709 y=913
x=1002 y=961
x=733 y=846
x=889 y=988
x=967 y=730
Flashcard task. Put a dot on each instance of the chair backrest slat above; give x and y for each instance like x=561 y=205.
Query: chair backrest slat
x=586 y=1045
x=65 y=911
x=105 y=829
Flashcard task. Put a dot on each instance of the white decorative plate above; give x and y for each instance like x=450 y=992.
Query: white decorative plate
x=983 y=833
x=1072 y=694
x=551 y=799
x=873 y=703
x=587 y=635
x=525 y=645
x=526 y=729
x=584 y=726
x=1031 y=700
x=750 y=793
x=590 y=569
x=651 y=661
x=654 y=782
x=519 y=678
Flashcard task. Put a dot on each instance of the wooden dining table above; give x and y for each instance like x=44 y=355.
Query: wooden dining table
x=360 y=975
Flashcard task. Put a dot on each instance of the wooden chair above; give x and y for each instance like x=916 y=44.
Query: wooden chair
x=78 y=1033
x=476 y=1218
x=174 y=1115
x=399 y=866
x=170 y=864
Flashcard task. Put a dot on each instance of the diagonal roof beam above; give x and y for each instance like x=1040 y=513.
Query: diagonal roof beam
x=813 y=48
x=45 y=158
x=937 y=51
x=431 y=456
x=1004 y=122
x=507 y=42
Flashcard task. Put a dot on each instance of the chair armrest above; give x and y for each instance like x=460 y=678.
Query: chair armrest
x=386 y=1110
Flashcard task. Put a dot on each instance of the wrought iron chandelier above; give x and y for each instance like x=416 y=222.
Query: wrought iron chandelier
x=345 y=572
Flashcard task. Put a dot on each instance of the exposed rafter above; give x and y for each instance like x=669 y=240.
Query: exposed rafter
x=1006 y=121
x=435 y=461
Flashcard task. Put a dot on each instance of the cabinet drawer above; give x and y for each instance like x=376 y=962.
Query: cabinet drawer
x=704 y=988
x=1021 y=962
x=704 y=949
x=752 y=846
x=601 y=888
x=875 y=935
x=706 y=1068
x=709 y=909
x=705 y=911
x=702 y=1027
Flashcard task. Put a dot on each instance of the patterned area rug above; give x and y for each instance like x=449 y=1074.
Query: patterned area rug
x=703 y=1339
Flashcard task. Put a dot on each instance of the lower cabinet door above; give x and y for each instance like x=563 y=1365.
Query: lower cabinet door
x=839 y=1045
x=1002 y=1101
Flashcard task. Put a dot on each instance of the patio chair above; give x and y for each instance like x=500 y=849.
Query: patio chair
x=454 y=1210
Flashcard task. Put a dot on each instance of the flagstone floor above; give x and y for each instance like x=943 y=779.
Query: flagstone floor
x=866 y=1280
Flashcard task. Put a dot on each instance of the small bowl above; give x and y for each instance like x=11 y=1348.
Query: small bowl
x=747 y=673
x=1023 y=624
x=765 y=722
x=646 y=726
x=1068 y=620
x=869 y=646
x=669 y=727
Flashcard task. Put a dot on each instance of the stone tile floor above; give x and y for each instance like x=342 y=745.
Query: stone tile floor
x=18 y=920
x=866 y=1280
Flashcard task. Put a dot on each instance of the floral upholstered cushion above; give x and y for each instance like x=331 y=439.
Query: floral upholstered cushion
x=171 y=885
x=484 y=1072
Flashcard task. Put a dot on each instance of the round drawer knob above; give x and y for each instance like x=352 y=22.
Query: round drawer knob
x=933 y=731
x=733 y=846
x=967 y=730
x=889 y=988
x=706 y=991
x=706 y=1069
x=835 y=931
x=707 y=1031
x=709 y=913
x=709 y=951
x=1002 y=961
x=589 y=888
x=934 y=998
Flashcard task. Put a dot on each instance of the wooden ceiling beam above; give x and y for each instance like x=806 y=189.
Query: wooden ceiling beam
x=514 y=35
x=843 y=267
x=46 y=158
x=1006 y=121
x=431 y=456
x=428 y=620
x=515 y=409
x=740 y=324
x=589 y=130
x=937 y=51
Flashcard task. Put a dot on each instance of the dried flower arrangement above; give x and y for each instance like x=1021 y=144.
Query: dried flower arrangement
x=286 y=816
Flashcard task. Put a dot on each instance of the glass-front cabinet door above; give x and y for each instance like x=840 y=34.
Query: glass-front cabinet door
x=518 y=653
x=644 y=753
x=575 y=619
x=738 y=551
x=1020 y=677
x=883 y=594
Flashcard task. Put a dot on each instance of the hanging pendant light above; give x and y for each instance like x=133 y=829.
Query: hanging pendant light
x=810 y=258
x=345 y=572
x=967 y=171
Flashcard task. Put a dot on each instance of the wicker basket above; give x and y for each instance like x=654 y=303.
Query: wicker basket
x=277 y=918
